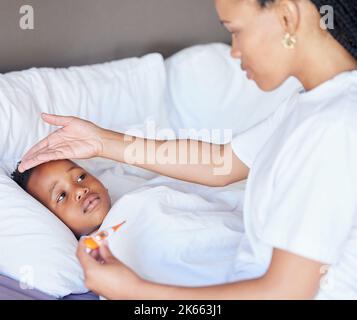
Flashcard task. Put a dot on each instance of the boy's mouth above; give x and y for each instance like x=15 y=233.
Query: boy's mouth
x=90 y=202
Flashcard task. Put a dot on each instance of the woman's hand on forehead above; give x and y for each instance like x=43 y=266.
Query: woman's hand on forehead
x=77 y=139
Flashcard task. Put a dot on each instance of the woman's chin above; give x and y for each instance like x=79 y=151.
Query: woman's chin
x=266 y=85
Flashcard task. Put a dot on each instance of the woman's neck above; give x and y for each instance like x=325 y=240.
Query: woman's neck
x=323 y=64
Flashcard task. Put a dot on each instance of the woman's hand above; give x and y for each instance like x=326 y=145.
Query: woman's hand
x=77 y=139
x=107 y=276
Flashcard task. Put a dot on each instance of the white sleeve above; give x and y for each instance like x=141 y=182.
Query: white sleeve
x=247 y=145
x=314 y=202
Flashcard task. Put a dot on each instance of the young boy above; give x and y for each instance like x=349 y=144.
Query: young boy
x=175 y=234
x=71 y=193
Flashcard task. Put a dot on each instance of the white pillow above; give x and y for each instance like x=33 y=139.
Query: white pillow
x=37 y=248
x=208 y=90
x=115 y=95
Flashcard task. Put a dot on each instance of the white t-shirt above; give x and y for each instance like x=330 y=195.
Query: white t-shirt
x=301 y=193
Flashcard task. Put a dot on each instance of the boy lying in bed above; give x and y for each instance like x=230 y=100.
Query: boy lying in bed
x=172 y=234
x=71 y=193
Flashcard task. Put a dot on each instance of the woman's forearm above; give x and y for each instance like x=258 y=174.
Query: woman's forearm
x=289 y=277
x=188 y=160
x=257 y=289
x=263 y=288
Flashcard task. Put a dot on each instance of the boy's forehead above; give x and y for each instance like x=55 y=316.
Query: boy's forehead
x=53 y=171
x=58 y=166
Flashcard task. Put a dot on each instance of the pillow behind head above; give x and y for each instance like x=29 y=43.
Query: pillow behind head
x=38 y=249
x=114 y=95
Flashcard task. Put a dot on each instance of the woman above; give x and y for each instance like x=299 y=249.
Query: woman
x=298 y=225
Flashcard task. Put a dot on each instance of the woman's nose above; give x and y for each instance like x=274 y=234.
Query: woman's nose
x=235 y=52
x=81 y=192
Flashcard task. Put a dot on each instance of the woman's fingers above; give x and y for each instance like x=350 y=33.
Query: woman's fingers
x=77 y=139
x=60 y=121
x=95 y=254
x=37 y=147
x=44 y=143
x=50 y=119
x=36 y=150
x=29 y=164
x=85 y=259
x=42 y=156
x=106 y=254
x=34 y=162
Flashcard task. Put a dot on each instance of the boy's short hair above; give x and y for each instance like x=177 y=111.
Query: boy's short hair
x=21 y=179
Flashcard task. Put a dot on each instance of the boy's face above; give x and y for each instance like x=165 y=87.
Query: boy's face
x=72 y=194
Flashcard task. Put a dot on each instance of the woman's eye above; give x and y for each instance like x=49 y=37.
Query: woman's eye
x=81 y=178
x=61 y=197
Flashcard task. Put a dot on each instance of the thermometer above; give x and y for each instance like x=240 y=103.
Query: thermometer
x=94 y=242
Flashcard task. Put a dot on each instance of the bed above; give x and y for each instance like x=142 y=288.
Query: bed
x=87 y=33
x=11 y=290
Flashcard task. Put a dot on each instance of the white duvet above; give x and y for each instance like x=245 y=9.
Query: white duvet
x=178 y=233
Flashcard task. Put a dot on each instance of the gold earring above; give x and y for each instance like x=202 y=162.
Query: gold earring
x=289 y=41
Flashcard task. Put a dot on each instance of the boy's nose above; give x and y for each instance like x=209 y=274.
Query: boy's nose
x=81 y=192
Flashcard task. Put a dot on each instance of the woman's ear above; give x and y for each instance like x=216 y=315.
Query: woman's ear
x=289 y=15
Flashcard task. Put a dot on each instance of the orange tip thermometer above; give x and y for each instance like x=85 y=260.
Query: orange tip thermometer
x=94 y=242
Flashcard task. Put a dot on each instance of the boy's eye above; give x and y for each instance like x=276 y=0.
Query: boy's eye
x=81 y=178
x=61 y=197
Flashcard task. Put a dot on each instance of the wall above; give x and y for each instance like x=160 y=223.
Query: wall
x=76 y=32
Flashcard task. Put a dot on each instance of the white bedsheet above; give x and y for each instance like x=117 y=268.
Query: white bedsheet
x=178 y=233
